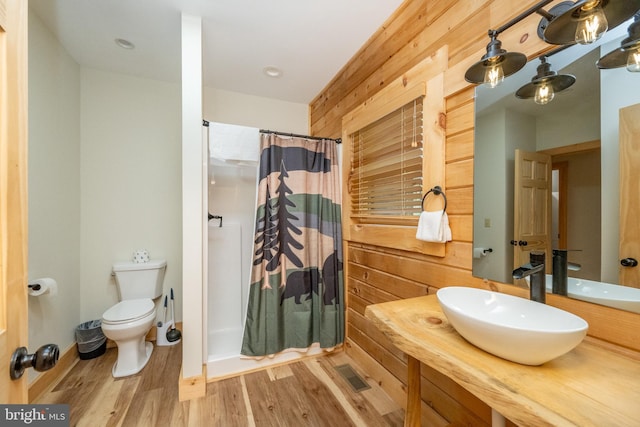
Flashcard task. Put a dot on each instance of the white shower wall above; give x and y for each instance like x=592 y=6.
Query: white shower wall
x=225 y=296
x=232 y=196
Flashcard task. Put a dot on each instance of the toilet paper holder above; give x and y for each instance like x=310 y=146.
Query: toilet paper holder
x=42 y=286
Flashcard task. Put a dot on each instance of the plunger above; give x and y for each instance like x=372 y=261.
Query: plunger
x=173 y=334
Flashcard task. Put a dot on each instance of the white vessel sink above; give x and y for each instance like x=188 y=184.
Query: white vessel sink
x=510 y=327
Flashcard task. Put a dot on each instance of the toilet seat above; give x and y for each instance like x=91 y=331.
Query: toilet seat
x=128 y=311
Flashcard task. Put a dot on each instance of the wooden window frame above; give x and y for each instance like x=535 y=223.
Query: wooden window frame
x=427 y=80
x=387 y=188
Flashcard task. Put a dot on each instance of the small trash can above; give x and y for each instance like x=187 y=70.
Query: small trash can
x=91 y=340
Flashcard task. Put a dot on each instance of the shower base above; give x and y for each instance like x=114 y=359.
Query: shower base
x=225 y=361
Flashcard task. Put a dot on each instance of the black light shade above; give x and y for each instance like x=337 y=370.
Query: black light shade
x=544 y=76
x=618 y=57
x=565 y=17
x=511 y=62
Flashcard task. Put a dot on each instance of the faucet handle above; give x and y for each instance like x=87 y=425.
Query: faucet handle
x=536 y=257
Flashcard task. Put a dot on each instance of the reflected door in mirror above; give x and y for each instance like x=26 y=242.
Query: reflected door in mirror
x=629 y=200
x=532 y=206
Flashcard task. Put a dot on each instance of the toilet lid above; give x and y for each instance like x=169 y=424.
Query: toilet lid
x=128 y=310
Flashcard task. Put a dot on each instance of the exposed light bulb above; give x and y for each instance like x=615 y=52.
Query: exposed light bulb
x=633 y=61
x=494 y=75
x=544 y=94
x=592 y=23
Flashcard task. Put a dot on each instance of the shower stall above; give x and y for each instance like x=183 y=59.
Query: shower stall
x=232 y=185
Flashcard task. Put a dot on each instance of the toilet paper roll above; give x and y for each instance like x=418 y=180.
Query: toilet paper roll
x=42 y=286
x=479 y=252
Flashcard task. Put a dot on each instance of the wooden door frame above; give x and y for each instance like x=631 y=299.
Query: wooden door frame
x=563 y=168
x=13 y=193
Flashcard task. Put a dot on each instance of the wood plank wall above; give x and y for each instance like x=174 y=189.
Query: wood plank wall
x=376 y=274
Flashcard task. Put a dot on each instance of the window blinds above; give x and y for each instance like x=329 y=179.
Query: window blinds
x=386 y=168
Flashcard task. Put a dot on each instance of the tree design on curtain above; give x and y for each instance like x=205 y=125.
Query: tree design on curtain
x=276 y=226
x=266 y=237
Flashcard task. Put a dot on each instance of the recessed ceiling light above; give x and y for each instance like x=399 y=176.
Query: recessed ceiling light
x=125 y=44
x=274 y=72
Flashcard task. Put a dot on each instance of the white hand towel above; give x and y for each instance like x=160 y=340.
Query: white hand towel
x=434 y=227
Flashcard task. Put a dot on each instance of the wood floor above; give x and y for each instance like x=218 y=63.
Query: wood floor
x=310 y=392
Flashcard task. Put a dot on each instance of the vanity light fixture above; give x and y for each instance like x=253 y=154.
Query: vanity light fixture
x=545 y=84
x=496 y=64
x=584 y=21
x=566 y=23
x=628 y=54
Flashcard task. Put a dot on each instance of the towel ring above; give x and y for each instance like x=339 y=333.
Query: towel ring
x=437 y=190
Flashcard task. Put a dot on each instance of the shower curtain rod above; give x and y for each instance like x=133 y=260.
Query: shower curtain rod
x=295 y=135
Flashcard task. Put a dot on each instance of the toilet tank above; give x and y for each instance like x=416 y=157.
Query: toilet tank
x=139 y=280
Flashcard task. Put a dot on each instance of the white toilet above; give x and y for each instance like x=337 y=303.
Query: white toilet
x=128 y=322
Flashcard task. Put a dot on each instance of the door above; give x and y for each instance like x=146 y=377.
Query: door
x=13 y=193
x=629 y=198
x=531 y=206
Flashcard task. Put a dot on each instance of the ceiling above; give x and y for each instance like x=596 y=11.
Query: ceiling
x=309 y=40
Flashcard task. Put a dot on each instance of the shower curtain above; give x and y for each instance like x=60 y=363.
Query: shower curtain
x=296 y=292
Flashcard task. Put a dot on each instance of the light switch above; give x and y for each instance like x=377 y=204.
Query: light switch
x=487 y=223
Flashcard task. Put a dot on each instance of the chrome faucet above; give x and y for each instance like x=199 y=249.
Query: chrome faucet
x=534 y=269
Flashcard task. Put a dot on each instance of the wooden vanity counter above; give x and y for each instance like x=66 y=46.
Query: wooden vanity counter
x=589 y=386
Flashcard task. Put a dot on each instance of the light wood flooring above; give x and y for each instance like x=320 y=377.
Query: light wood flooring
x=309 y=392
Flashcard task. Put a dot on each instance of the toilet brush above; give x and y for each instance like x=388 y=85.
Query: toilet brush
x=173 y=334
x=164 y=319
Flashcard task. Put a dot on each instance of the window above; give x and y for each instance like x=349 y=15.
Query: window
x=393 y=153
x=386 y=166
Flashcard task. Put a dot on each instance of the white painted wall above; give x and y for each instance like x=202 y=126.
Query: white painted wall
x=130 y=181
x=498 y=134
x=254 y=111
x=490 y=206
x=552 y=130
x=54 y=187
x=193 y=208
x=583 y=213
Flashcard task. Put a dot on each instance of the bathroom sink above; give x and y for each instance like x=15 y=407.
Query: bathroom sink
x=510 y=327
x=616 y=296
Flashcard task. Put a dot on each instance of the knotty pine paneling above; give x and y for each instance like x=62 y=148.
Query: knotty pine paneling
x=363 y=285
x=459 y=174
x=459 y=147
x=459 y=99
x=453 y=409
x=459 y=201
x=460 y=119
x=394 y=285
x=463 y=226
x=374 y=274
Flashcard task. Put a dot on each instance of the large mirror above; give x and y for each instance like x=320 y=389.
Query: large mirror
x=578 y=132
